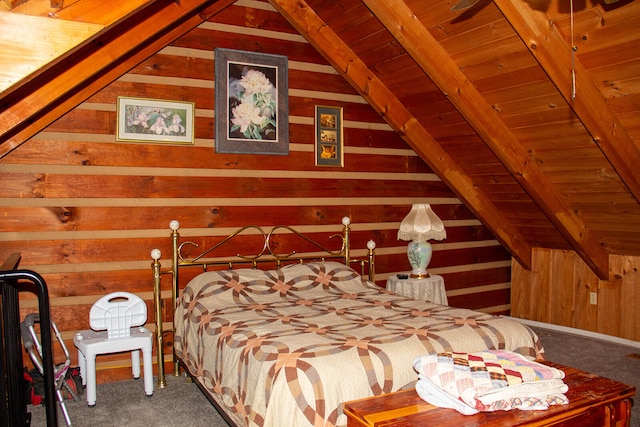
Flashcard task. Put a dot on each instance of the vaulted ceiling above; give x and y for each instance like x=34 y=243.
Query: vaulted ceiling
x=528 y=109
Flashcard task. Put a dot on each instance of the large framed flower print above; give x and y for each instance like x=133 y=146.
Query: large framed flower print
x=251 y=102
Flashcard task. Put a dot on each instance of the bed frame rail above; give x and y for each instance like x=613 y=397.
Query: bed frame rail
x=266 y=255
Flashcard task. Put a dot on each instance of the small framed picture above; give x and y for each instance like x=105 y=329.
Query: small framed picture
x=329 y=138
x=151 y=120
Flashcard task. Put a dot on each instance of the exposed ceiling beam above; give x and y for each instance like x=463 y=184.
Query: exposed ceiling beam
x=398 y=18
x=318 y=33
x=554 y=55
x=74 y=77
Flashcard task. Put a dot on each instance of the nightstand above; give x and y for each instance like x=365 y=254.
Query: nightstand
x=429 y=289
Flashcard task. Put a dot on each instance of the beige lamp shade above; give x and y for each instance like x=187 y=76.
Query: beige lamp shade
x=421 y=224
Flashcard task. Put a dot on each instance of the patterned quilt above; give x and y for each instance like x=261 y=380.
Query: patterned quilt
x=295 y=343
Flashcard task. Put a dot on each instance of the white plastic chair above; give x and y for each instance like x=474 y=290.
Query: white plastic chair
x=116 y=325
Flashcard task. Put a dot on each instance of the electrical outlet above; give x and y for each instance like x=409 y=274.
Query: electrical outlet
x=593 y=298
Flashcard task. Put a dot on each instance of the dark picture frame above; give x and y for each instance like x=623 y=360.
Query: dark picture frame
x=329 y=136
x=251 y=103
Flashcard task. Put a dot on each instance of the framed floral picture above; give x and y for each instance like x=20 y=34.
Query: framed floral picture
x=151 y=120
x=329 y=143
x=251 y=103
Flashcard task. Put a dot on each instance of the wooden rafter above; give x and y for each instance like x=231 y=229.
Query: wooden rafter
x=94 y=64
x=438 y=65
x=308 y=23
x=554 y=56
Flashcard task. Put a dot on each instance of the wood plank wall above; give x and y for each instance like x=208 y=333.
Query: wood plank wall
x=85 y=211
x=561 y=289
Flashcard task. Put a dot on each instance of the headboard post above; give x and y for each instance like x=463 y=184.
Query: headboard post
x=371 y=246
x=157 y=300
x=346 y=244
x=175 y=225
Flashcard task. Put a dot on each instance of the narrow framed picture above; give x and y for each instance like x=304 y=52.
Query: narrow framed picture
x=329 y=136
x=152 y=120
x=251 y=103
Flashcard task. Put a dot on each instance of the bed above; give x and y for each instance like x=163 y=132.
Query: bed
x=296 y=341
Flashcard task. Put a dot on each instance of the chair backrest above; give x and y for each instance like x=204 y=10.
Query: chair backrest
x=118 y=312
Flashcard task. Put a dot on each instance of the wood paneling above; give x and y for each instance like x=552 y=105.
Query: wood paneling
x=503 y=71
x=561 y=289
x=34 y=34
x=85 y=211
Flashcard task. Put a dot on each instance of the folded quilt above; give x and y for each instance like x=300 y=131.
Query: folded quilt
x=488 y=381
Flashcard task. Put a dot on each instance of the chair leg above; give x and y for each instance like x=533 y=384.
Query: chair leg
x=148 y=370
x=135 y=363
x=83 y=367
x=90 y=362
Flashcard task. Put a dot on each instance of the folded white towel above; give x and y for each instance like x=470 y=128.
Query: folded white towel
x=436 y=396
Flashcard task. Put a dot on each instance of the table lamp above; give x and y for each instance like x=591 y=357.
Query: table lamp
x=420 y=226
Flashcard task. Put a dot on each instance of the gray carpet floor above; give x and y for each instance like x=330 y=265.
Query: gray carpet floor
x=181 y=403
x=123 y=403
x=601 y=357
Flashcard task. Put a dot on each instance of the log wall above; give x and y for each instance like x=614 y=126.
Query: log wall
x=85 y=210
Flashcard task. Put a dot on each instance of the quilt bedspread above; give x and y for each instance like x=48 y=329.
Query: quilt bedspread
x=291 y=345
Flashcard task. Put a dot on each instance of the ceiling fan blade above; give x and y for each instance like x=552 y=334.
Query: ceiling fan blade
x=466 y=4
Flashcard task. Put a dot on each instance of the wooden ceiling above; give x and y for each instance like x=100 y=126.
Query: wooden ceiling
x=529 y=112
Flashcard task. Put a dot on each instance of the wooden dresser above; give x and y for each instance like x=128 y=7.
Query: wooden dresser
x=593 y=401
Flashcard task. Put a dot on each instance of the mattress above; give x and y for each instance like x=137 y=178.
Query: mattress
x=291 y=345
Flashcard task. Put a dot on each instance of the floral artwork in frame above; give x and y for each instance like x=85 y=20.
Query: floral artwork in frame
x=151 y=120
x=251 y=102
x=329 y=138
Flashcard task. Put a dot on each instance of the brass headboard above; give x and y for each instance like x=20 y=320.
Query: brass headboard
x=265 y=255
